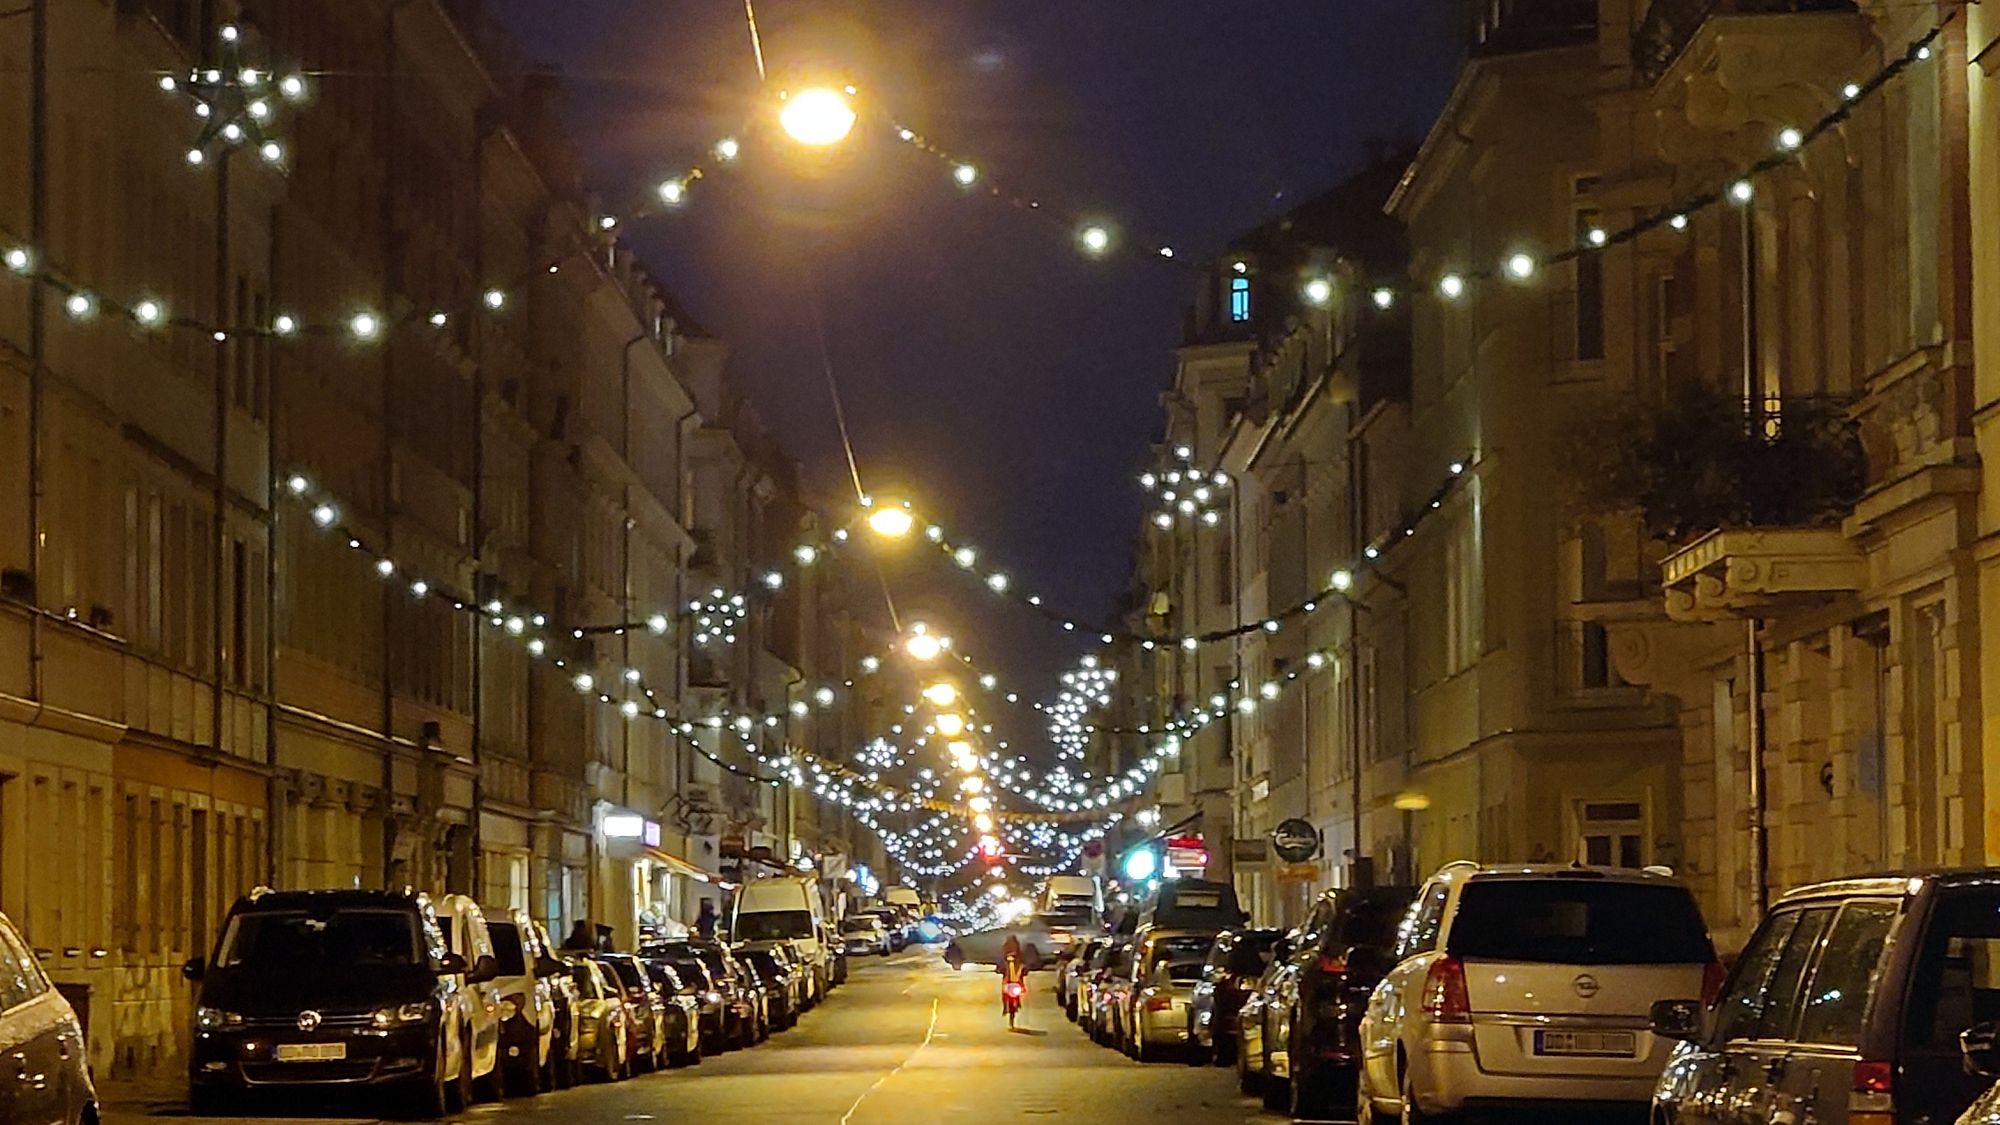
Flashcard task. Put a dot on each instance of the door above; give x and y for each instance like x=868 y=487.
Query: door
x=35 y=1046
x=1709 y=1085
x=1753 y=1024
x=1955 y=984
x=1819 y=1074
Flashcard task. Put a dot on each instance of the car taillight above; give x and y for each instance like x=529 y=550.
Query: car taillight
x=1712 y=978
x=1445 y=999
x=1872 y=1100
x=1328 y=963
x=1159 y=1003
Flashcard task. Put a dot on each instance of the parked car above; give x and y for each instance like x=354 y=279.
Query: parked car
x=310 y=989
x=1071 y=974
x=1253 y=1021
x=1090 y=984
x=1112 y=995
x=745 y=1021
x=465 y=934
x=1235 y=963
x=50 y=1082
x=712 y=1012
x=1531 y=986
x=899 y=925
x=1862 y=1000
x=836 y=953
x=864 y=935
x=682 y=1003
x=602 y=1043
x=1313 y=1051
x=565 y=1069
x=645 y=1010
x=528 y=1043
x=778 y=983
x=1160 y=994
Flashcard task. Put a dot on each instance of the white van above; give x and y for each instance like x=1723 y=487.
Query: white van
x=904 y=897
x=1068 y=895
x=465 y=934
x=786 y=908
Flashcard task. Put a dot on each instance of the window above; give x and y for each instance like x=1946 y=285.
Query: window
x=21 y=979
x=1957 y=981
x=1846 y=974
x=1419 y=931
x=1239 y=299
x=1613 y=833
x=1579 y=922
x=1589 y=291
x=1763 y=995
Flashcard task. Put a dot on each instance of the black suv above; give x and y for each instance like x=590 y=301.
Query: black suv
x=1338 y=957
x=331 y=988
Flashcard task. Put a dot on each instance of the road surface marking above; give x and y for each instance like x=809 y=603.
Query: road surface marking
x=928 y=1032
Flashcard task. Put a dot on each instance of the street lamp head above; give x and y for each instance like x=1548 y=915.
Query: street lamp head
x=923 y=647
x=891 y=522
x=817 y=117
x=941 y=694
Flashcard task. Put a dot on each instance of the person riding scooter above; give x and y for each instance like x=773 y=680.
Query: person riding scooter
x=1013 y=979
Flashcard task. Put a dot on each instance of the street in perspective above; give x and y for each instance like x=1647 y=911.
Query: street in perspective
x=1392 y=561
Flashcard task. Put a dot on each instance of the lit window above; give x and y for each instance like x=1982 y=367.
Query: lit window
x=1239 y=299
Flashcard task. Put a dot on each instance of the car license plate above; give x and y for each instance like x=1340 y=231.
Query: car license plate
x=309 y=1052
x=1587 y=1044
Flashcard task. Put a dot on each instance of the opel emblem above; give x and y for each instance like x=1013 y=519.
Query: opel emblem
x=1586 y=986
x=308 y=1020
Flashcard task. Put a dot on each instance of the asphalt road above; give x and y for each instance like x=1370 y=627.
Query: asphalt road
x=906 y=1041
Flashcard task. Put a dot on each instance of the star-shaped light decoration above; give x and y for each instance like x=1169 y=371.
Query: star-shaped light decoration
x=237 y=102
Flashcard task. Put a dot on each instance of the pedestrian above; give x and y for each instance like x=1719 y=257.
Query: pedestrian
x=705 y=921
x=580 y=939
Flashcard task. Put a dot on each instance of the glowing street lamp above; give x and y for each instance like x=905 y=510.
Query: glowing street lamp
x=891 y=522
x=924 y=646
x=941 y=694
x=817 y=117
x=950 y=724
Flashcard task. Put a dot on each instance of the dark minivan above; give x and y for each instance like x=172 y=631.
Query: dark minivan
x=331 y=989
x=1848 y=1006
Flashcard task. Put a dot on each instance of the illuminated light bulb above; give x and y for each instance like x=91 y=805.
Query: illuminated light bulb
x=924 y=647
x=1316 y=660
x=607 y=222
x=905 y=135
x=989 y=681
x=384 y=567
x=168 y=84
x=982 y=822
x=1148 y=481
x=1596 y=236
x=631 y=675
x=824 y=697
x=439 y=319
x=1095 y=239
x=196 y=157
x=870 y=663
x=1678 y=222
x=232 y=132
x=817 y=117
x=364 y=326
x=18 y=259
x=229 y=34
x=965 y=174
x=805 y=554
x=1343 y=580
x=292 y=86
x=1319 y=291
x=260 y=109
x=629 y=708
x=219 y=336
x=1924 y=53
x=673 y=192
x=272 y=152
x=420 y=588
x=950 y=724
x=1162 y=520
x=1189 y=644
x=1166 y=251
x=891 y=522
x=1521 y=267
x=495 y=299
x=799 y=708
x=1452 y=286
x=1187 y=507
x=965 y=557
x=727 y=149
x=773 y=580
x=997 y=583
x=148 y=313
x=297 y=484
x=1851 y=91
x=1269 y=690
x=1384 y=298
x=1742 y=191
x=1271 y=626
x=657 y=623
x=79 y=305
x=1457 y=467
x=1790 y=139
x=201 y=109
x=249 y=76
x=941 y=694
x=515 y=626
x=325 y=514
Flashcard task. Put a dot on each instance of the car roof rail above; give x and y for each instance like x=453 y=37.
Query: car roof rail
x=1658 y=869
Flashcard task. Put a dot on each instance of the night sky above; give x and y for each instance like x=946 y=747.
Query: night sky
x=1006 y=383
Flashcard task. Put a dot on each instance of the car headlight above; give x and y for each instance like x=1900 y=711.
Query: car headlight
x=711 y=997
x=401 y=1015
x=215 y=1019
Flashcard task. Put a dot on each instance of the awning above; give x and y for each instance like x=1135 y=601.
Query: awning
x=675 y=865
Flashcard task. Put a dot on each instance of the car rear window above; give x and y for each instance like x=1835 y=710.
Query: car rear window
x=1184 y=970
x=507 y=948
x=626 y=972
x=1579 y=922
x=1368 y=918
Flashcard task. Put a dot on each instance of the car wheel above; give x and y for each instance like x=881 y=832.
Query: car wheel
x=1246 y=1080
x=1277 y=1092
x=1412 y=1115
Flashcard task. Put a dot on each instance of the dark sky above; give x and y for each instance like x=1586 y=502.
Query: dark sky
x=990 y=372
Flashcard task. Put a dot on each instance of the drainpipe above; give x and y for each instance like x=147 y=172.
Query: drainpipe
x=681 y=775
x=625 y=578
x=219 y=486
x=38 y=239
x=1760 y=840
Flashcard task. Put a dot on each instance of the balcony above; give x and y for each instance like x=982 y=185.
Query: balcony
x=1761 y=571
x=1670 y=25
x=1506 y=27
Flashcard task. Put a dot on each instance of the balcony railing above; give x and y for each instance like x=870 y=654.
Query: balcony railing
x=1501 y=27
x=1671 y=24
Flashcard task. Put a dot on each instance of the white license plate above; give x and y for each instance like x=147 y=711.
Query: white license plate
x=309 y=1052
x=1587 y=1044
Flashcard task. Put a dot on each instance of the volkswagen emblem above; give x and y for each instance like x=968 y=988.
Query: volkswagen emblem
x=308 y=1020
x=1586 y=986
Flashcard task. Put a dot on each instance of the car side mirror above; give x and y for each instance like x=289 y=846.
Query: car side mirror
x=1366 y=964
x=193 y=968
x=1979 y=1046
x=483 y=970
x=1677 y=1019
x=451 y=964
